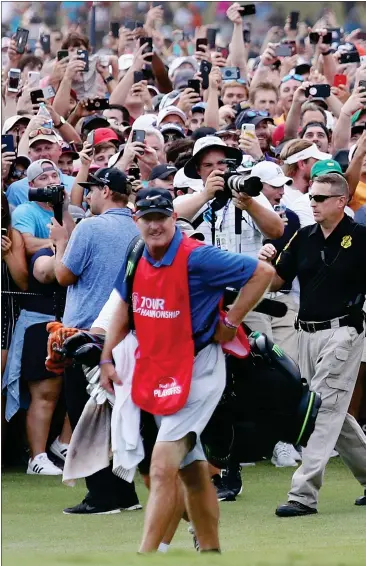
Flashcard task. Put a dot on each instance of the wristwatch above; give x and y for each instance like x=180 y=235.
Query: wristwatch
x=327 y=52
x=108 y=79
x=62 y=123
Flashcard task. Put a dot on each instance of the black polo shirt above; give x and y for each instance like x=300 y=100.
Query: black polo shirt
x=331 y=271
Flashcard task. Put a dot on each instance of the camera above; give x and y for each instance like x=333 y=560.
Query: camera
x=53 y=194
x=230 y=73
x=234 y=181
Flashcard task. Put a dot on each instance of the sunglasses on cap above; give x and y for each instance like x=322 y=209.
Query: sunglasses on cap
x=294 y=77
x=240 y=81
x=254 y=113
x=41 y=132
x=171 y=137
x=322 y=198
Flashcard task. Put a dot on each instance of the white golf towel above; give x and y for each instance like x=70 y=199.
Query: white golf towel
x=127 y=446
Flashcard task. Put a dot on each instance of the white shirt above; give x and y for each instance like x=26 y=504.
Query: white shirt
x=105 y=316
x=300 y=204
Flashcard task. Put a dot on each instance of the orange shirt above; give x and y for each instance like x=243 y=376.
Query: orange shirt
x=359 y=197
x=279 y=120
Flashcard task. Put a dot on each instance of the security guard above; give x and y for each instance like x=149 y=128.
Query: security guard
x=329 y=260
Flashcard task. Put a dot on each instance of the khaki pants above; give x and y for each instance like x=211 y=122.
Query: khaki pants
x=280 y=330
x=329 y=360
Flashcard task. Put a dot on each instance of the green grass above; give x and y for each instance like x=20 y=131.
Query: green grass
x=36 y=533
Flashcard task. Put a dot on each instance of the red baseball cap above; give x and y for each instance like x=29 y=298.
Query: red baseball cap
x=105 y=135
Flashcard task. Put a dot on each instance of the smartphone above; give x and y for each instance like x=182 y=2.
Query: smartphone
x=21 y=39
x=211 y=37
x=230 y=73
x=340 y=80
x=13 y=80
x=224 y=51
x=138 y=136
x=205 y=70
x=196 y=85
x=201 y=41
x=8 y=140
x=337 y=34
x=139 y=24
x=247 y=10
x=114 y=27
x=98 y=104
x=34 y=78
x=90 y=137
x=314 y=38
x=294 y=18
x=246 y=35
x=149 y=46
x=350 y=57
x=283 y=50
x=362 y=84
x=138 y=76
x=130 y=24
x=46 y=43
x=4 y=231
x=292 y=44
x=62 y=54
x=319 y=91
x=83 y=55
x=36 y=96
x=48 y=92
x=134 y=172
x=104 y=60
x=248 y=130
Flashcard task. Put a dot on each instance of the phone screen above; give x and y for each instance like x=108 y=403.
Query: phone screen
x=13 y=80
x=247 y=10
x=294 y=18
x=201 y=41
x=62 y=54
x=21 y=39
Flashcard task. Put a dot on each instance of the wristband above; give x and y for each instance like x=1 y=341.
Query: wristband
x=102 y=362
x=327 y=53
x=229 y=324
x=108 y=79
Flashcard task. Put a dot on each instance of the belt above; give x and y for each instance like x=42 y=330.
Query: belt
x=326 y=325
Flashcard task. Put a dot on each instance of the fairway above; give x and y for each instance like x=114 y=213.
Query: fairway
x=35 y=532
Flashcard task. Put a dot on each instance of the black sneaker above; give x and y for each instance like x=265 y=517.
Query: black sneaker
x=84 y=508
x=232 y=479
x=361 y=500
x=294 y=509
x=223 y=492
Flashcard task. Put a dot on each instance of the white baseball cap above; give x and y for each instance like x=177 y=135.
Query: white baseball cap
x=169 y=111
x=169 y=99
x=270 y=173
x=10 y=122
x=311 y=151
x=178 y=62
x=181 y=181
x=145 y=121
x=125 y=61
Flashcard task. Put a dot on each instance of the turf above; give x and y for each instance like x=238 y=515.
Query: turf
x=36 y=533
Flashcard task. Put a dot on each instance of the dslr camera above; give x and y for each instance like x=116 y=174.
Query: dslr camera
x=54 y=195
x=234 y=181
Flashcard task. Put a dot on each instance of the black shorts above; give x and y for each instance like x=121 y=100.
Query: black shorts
x=35 y=353
x=149 y=432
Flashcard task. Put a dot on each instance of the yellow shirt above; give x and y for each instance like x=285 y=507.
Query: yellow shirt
x=279 y=120
x=359 y=197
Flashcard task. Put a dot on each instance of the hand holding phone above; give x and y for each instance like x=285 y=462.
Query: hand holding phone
x=340 y=80
x=247 y=10
x=46 y=43
x=201 y=41
x=205 y=70
x=138 y=136
x=138 y=76
x=148 y=48
x=21 y=38
x=318 y=91
x=196 y=85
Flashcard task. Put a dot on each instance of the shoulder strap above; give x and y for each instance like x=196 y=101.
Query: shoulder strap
x=133 y=255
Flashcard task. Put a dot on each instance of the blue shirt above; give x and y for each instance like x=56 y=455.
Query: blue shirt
x=210 y=271
x=30 y=218
x=360 y=215
x=95 y=253
x=17 y=192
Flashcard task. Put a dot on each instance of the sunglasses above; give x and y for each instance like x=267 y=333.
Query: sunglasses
x=294 y=77
x=322 y=198
x=159 y=202
x=254 y=113
x=171 y=137
x=240 y=81
x=41 y=131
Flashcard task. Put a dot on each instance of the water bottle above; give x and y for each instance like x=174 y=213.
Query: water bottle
x=47 y=116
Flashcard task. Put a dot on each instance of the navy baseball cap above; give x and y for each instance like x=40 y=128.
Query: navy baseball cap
x=93 y=122
x=153 y=200
x=114 y=178
x=252 y=117
x=162 y=171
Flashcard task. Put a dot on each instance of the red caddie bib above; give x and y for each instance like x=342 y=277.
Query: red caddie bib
x=162 y=318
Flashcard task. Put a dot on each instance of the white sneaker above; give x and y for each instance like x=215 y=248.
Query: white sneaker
x=41 y=465
x=282 y=456
x=295 y=454
x=334 y=454
x=59 y=449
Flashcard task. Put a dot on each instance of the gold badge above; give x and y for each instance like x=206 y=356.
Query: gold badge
x=346 y=241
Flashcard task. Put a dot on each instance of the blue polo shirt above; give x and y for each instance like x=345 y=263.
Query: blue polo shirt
x=210 y=271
